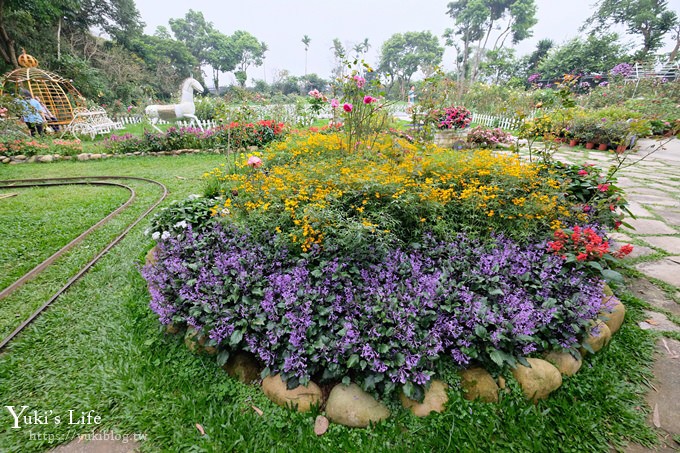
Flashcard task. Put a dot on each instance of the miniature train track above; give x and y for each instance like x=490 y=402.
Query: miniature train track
x=84 y=180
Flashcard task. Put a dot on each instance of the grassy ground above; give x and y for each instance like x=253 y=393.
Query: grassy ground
x=100 y=349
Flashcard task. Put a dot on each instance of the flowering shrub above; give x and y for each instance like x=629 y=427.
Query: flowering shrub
x=533 y=78
x=314 y=190
x=363 y=115
x=481 y=135
x=10 y=146
x=451 y=118
x=594 y=197
x=317 y=101
x=233 y=135
x=587 y=246
x=621 y=70
x=380 y=319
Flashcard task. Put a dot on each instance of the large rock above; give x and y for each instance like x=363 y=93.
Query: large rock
x=434 y=401
x=243 y=366
x=301 y=398
x=613 y=314
x=47 y=158
x=83 y=156
x=539 y=380
x=349 y=405
x=565 y=362
x=478 y=383
x=598 y=336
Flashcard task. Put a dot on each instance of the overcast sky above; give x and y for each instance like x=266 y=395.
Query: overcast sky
x=281 y=24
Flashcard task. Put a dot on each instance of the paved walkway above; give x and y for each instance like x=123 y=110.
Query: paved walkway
x=652 y=187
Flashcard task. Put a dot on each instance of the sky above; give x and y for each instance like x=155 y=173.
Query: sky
x=281 y=24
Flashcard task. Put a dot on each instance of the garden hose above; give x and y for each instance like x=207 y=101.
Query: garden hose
x=85 y=180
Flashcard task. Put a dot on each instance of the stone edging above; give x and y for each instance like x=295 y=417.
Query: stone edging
x=45 y=158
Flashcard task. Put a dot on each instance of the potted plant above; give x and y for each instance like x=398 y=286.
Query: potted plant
x=449 y=121
x=617 y=134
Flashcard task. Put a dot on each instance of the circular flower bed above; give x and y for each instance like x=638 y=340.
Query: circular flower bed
x=375 y=266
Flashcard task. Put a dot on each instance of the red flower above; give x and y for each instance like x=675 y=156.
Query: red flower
x=603 y=187
x=581 y=256
x=623 y=251
x=582 y=172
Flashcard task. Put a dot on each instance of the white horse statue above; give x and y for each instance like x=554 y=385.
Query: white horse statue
x=175 y=112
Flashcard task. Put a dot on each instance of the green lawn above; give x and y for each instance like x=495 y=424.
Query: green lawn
x=99 y=348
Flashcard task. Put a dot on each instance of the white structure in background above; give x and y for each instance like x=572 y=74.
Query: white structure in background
x=174 y=112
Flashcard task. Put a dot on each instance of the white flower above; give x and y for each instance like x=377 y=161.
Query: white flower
x=194 y=196
x=146 y=232
x=182 y=224
x=165 y=235
x=155 y=235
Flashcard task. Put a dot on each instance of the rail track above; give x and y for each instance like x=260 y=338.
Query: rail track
x=84 y=180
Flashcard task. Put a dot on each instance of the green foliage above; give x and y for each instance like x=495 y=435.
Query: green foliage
x=650 y=18
x=403 y=54
x=595 y=54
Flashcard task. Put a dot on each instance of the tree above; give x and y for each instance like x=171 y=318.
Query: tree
x=306 y=40
x=248 y=51
x=650 y=18
x=221 y=56
x=476 y=20
x=402 y=55
x=196 y=33
x=542 y=49
x=339 y=53
x=19 y=20
x=596 y=54
x=499 y=65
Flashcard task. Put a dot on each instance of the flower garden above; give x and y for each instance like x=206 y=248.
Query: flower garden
x=360 y=257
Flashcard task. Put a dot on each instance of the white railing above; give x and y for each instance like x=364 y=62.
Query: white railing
x=205 y=124
x=503 y=122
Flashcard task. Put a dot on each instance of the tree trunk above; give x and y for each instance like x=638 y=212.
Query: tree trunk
x=6 y=42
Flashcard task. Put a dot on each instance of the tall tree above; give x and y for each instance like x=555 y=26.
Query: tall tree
x=649 y=18
x=535 y=58
x=196 y=33
x=403 y=54
x=475 y=22
x=339 y=54
x=248 y=51
x=306 y=40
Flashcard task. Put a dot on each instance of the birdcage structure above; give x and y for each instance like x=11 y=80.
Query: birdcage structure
x=56 y=93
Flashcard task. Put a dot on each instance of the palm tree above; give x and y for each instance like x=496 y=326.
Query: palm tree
x=306 y=40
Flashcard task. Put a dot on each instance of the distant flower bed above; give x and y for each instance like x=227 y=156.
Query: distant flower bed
x=375 y=265
x=15 y=146
x=233 y=136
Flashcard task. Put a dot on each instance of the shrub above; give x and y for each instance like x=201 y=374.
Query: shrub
x=483 y=136
x=451 y=118
x=380 y=319
x=317 y=192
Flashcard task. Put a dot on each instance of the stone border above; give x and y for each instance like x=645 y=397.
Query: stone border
x=45 y=158
x=349 y=405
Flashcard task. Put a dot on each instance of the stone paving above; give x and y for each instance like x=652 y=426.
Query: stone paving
x=652 y=187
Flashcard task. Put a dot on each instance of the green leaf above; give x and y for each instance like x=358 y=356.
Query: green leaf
x=612 y=276
x=222 y=357
x=353 y=360
x=236 y=337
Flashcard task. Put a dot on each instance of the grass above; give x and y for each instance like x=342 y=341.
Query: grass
x=39 y=221
x=99 y=348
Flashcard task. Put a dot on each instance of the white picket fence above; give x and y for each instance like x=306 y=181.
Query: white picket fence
x=205 y=124
x=503 y=122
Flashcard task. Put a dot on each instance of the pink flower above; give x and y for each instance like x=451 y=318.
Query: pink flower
x=603 y=187
x=254 y=161
x=347 y=107
x=334 y=103
x=315 y=94
x=582 y=172
x=369 y=99
x=360 y=81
